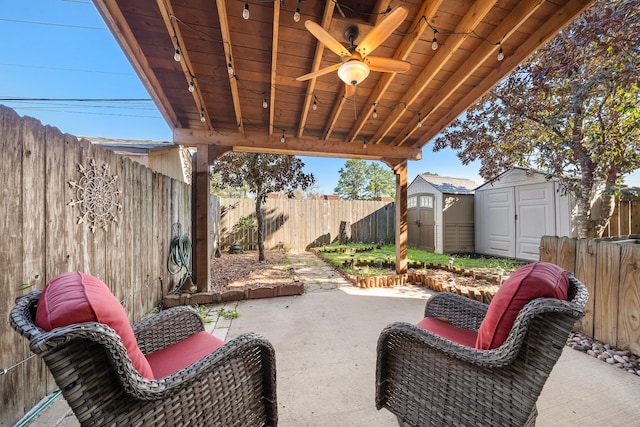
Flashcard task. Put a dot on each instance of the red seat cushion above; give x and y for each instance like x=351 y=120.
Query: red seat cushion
x=78 y=298
x=447 y=330
x=536 y=280
x=183 y=353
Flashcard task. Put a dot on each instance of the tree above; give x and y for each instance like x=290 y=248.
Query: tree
x=263 y=174
x=572 y=110
x=360 y=180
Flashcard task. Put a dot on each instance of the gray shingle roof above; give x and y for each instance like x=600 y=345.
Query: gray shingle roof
x=449 y=185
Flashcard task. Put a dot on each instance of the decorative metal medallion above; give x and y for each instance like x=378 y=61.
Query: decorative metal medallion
x=97 y=196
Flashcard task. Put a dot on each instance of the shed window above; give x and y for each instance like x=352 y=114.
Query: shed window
x=412 y=202
x=426 y=202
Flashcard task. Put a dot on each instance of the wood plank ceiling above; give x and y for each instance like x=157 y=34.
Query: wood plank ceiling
x=238 y=65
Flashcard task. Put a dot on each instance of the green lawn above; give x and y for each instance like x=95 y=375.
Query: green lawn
x=386 y=254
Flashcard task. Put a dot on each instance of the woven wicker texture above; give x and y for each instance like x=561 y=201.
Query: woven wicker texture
x=233 y=386
x=427 y=380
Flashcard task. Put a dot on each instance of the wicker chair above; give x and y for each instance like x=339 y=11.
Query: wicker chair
x=233 y=386
x=427 y=380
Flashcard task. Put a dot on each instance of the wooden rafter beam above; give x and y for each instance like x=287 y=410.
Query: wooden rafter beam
x=166 y=10
x=428 y=10
x=508 y=26
x=317 y=59
x=544 y=33
x=335 y=113
x=256 y=142
x=468 y=23
x=274 y=63
x=226 y=43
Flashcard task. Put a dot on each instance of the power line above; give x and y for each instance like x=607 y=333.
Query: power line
x=66 y=69
x=6 y=98
x=52 y=24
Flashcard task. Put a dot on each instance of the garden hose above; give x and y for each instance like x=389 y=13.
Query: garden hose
x=179 y=259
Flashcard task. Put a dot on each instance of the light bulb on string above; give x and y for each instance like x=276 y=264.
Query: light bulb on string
x=375 y=112
x=176 y=55
x=265 y=104
x=315 y=105
x=202 y=117
x=230 y=69
x=500 y=54
x=191 y=86
x=419 y=124
x=282 y=137
x=364 y=143
x=245 y=11
x=434 y=43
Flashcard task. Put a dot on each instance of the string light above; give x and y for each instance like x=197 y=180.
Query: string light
x=434 y=44
x=500 y=54
x=176 y=55
x=282 y=137
x=419 y=124
x=202 y=117
x=191 y=86
x=364 y=143
x=296 y=15
x=315 y=103
x=375 y=112
x=245 y=11
x=265 y=104
x=230 y=68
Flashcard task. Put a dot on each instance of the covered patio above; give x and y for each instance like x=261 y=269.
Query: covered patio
x=225 y=76
x=325 y=345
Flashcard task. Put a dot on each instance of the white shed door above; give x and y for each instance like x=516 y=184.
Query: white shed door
x=499 y=222
x=536 y=218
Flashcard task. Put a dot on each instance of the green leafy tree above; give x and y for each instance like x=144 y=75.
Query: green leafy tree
x=572 y=110
x=360 y=180
x=382 y=181
x=262 y=174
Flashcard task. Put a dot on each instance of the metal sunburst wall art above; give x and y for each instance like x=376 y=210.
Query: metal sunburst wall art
x=97 y=196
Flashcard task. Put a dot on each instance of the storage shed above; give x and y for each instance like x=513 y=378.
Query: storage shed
x=440 y=214
x=516 y=210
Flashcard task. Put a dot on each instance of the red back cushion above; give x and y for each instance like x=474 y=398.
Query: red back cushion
x=78 y=298
x=536 y=280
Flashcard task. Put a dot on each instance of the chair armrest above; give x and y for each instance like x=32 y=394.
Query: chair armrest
x=167 y=327
x=458 y=310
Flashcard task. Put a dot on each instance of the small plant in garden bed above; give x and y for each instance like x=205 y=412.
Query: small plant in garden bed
x=381 y=260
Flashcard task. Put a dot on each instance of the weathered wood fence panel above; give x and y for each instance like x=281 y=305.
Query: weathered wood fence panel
x=610 y=269
x=297 y=225
x=43 y=237
x=626 y=217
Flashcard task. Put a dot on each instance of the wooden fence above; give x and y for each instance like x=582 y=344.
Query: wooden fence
x=43 y=237
x=610 y=269
x=625 y=219
x=298 y=225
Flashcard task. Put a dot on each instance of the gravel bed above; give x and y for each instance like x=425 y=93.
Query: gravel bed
x=621 y=359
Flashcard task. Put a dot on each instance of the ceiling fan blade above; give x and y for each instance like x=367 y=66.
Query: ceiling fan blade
x=319 y=73
x=349 y=90
x=326 y=39
x=388 y=65
x=380 y=32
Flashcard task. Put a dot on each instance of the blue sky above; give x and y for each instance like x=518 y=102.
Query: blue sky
x=62 y=49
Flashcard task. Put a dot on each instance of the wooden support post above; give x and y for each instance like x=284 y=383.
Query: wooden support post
x=200 y=194
x=401 y=217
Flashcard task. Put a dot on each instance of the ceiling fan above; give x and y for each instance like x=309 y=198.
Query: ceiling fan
x=355 y=62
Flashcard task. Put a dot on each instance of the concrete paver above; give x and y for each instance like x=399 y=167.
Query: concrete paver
x=325 y=344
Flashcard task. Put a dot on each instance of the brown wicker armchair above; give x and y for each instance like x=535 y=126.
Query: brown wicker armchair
x=427 y=380
x=233 y=386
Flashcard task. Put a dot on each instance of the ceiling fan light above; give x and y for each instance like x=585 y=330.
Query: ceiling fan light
x=353 y=72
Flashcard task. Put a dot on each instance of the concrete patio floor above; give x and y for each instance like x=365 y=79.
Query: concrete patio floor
x=325 y=343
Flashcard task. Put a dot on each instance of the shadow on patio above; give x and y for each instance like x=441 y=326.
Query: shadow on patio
x=325 y=344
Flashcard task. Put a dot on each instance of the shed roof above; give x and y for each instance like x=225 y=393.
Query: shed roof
x=450 y=185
